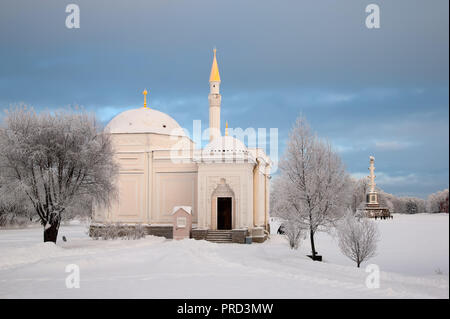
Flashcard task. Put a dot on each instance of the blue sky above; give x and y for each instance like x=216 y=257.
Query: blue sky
x=381 y=92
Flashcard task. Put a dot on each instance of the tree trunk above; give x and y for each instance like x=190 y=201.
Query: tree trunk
x=313 y=247
x=51 y=233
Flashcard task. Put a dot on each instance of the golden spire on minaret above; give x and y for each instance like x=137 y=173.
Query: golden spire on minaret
x=215 y=76
x=226 y=128
x=145 y=97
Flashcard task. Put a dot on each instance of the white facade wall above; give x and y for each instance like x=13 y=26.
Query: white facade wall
x=239 y=178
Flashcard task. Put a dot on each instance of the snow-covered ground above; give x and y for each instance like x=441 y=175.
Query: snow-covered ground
x=415 y=245
x=411 y=250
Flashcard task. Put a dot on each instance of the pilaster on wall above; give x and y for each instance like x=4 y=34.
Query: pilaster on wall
x=267 y=196
x=260 y=194
x=255 y=193
x=150 y=196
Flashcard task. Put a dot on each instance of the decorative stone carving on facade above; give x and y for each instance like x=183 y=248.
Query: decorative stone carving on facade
x=223 y=189
x=213 y=182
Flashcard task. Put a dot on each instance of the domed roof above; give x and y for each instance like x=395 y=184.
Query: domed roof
x=144 y=120
x=225 y=144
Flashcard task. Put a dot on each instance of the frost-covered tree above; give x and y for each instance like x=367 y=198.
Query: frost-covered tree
x=437 y=201
x=14 y=209
x=293 y=226
x=358 y=238
x=314 y=187
x=359 y=190
x=386 y=200
x=411 y=207
x=54 y=159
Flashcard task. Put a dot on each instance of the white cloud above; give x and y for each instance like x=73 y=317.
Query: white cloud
x=384 y=179
x=392 y=145
x=337 y=98
x=340 y=148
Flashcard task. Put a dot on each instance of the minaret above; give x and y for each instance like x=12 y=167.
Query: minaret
x=372 y=196
x=214 y=100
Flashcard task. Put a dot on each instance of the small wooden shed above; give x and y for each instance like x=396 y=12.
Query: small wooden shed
x=182 y=222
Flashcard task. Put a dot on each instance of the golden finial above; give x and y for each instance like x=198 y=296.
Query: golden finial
x=214 y=76
x=226 y=128
x=145 y=97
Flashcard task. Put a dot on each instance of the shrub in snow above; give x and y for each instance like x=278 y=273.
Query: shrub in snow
x=111 y=231
x=117 y=230
x=139 y=232
x=358 y=238
x=294 y=233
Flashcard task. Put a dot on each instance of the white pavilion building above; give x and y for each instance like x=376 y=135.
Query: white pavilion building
x=226 y=184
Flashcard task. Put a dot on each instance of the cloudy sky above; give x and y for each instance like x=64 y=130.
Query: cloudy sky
x=381 y=92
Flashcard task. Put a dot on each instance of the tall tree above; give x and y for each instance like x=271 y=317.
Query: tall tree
x=54 y=159
x=314 y=183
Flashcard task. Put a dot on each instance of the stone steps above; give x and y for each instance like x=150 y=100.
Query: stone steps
x=219 y=236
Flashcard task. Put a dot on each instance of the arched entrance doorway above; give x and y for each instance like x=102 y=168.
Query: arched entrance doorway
x=222 y=210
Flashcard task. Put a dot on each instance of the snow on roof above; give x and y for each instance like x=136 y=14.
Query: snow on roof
x=144 y=120
x=187 y=209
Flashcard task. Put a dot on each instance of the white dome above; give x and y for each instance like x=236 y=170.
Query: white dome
x=225 y=144
x=144 y=120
